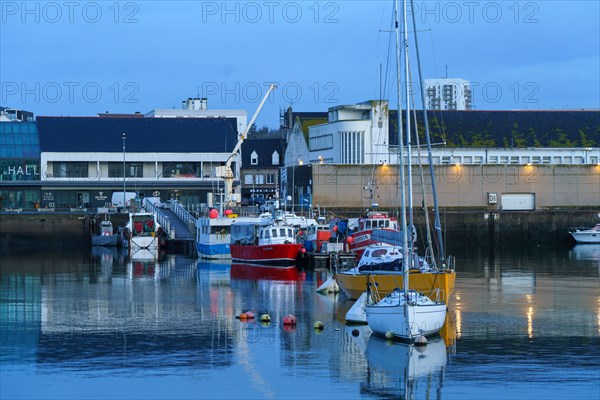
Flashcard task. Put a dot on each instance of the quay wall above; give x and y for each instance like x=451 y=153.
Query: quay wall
x=64 y=229
x=459 y=226
x=459 y=186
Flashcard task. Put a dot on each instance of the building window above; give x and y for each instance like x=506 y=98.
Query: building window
x=352 y=147
x=275 y=158
x=178 y=170
x=70 y=170
x=132 y=170
x=254 y=158
x=323 y=142
x=260 y=179
x=270 y=178
x=248 y=179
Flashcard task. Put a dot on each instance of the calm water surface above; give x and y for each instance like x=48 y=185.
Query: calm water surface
x=524 y=322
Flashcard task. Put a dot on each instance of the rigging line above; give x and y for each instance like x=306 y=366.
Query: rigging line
x=441 y=127
x=429 y=153
x=422 y=178
x=388 y=58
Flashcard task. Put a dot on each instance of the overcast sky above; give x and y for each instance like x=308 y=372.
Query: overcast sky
x=82 y=58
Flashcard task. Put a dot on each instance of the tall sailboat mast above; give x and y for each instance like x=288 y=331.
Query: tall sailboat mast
x=407 y=133
x=401 y=153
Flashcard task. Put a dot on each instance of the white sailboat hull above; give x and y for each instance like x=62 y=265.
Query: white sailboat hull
x=404 y=320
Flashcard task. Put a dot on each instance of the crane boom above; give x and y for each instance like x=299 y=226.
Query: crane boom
x=225 y=171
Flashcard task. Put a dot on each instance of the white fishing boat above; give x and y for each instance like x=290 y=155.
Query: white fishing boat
x=407 y=314
x=586 y=234
x=213 y=234
x=143 y=235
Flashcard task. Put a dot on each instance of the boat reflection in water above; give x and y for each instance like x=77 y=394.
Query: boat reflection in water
x=404 y=370
x=256 y=272
x=586 y=252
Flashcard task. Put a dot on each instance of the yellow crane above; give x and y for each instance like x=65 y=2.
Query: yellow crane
x=225 y=172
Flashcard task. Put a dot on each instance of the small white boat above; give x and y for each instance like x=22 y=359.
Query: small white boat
x=586 y=235
x=406 y=315
x=143 y=235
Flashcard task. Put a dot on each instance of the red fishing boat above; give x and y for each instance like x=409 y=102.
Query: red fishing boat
x=269 y=242
x=361 y=239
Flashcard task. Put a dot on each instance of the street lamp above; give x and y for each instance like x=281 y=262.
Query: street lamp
x=124 y=171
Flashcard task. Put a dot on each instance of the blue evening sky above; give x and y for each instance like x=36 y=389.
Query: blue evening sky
x=80 y=58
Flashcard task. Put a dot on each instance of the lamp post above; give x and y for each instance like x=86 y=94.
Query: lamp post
x=124 y=197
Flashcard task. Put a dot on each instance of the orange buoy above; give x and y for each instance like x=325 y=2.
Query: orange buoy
x=289 y=320
x=214 y=213
x=243 y=316
x=349 y=239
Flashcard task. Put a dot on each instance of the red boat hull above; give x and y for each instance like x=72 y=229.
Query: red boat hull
x=271 y=254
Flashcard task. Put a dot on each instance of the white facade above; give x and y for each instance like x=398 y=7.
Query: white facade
x=153 y=165
x=354 y=134
x=358 y=135
x=448 y=94
x=520 y=156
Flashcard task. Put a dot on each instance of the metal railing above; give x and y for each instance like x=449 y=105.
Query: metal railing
x=183 y=215
x=161 y=218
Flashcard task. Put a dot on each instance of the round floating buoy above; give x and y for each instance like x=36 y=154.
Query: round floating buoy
x=243 y=316
x=250 y=315
x=349 y=239
x=355 y=332
x=389 y=335
x=319 y=325
x=303 y=250
x=265 y=318
x=289 y=320
x=335 y=228
x=214 y=213
x=228 y=212
x=421 y=341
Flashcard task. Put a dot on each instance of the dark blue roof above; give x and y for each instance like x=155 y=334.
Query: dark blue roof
x=264 y=149
x=143 y=135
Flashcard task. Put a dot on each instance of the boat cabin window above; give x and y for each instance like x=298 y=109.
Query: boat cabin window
x=282 y=232
x=267 y=233
x=378 y=253
x=290 y=232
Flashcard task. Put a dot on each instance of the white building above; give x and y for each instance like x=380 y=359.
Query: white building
x=198 y=108
x=448 y=94
x=353 y=134
x=359 y=134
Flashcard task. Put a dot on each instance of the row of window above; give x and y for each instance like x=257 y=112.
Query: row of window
x=259 y=179
x=352 y=147
x=323 y=142
x=516 y=160
x=132 y=170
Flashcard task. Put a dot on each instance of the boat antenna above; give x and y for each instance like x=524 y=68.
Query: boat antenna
x=437 y=224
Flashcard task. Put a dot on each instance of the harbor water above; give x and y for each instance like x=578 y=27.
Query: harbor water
x=80 y=323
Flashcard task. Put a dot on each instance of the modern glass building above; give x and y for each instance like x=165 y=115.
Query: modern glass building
x=19 y=165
